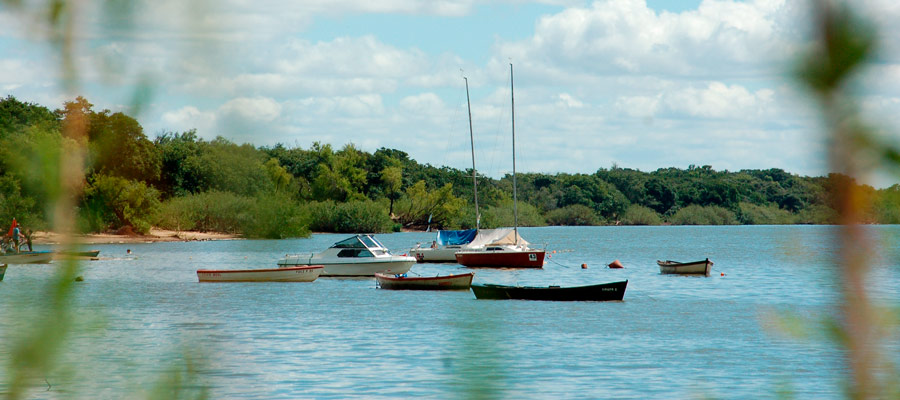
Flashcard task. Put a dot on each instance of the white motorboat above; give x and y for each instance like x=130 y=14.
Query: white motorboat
x=359 y=255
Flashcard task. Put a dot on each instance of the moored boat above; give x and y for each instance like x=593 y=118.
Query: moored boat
x=512 y=251
x=502 y=257
x=358 y=255
x=76 y=255
x=289 y=274
x=445 y=246
x=26 y=257
x=446 y=282
x=701 y=267
x=2 y=271
x=602 y=292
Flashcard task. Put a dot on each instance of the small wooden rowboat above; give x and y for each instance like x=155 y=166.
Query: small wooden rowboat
x=701 y=267
x=446 y=282
x=602 y=292
x=287 y=274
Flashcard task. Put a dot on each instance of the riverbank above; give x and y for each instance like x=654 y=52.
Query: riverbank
x=155 y=235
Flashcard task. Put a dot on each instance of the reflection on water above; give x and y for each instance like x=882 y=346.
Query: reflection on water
x=672 y=337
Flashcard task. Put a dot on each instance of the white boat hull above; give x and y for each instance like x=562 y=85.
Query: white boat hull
x=692 y=268
x=29 y=257
x=440 y=254
x=297 y=274
x=354 y=267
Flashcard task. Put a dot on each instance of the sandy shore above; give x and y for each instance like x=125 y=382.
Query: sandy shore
x=155 y=235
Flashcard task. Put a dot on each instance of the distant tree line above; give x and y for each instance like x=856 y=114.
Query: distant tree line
x=181 y=181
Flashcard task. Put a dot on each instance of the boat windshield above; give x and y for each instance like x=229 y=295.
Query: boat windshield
x=370 y=242
x=350 y=243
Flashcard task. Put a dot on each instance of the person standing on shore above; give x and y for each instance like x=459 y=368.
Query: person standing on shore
x=16 y=235
x=28 y=233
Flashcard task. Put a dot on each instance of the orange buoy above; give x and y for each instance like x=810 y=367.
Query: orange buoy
x=554 y=251
x=723 y=274
x=583 y=266
x=616 y=264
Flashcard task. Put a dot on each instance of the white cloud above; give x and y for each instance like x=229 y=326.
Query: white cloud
x=260 y=109
x=187 y=118
x=626 y=37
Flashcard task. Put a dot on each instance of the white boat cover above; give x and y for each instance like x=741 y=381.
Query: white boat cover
x=496 y=237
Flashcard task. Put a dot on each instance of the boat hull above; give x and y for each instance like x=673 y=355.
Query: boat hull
x=435 y=255
x=291 y=274
x=400 y=265
x=76 y=255
x=2 y=271
x=702 y=267
x=501 y=259
x=448 y=282
x=27 y=257
x=614 y=291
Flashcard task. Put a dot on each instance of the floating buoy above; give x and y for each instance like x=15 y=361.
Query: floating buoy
x=583 y=266
x=723 y=274
x=616 y=264
x=554 y=251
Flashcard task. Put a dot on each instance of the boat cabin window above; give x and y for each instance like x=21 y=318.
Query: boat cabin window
x=494 y=248
x=354 y=253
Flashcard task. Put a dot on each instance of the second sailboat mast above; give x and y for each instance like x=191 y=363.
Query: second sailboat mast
x=512 y=97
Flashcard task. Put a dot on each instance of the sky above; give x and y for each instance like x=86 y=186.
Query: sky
x=642 y=84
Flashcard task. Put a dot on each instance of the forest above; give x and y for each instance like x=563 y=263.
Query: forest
x=180 y=181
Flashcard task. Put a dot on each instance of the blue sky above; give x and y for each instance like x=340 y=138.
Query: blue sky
x=638 y=84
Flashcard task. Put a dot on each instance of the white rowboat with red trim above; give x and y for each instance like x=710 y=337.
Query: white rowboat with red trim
x=288 y=274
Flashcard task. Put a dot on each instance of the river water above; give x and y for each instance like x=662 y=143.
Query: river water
x=142 y=317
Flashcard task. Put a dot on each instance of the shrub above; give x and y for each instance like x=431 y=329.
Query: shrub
x=502 y=215
x=639 y=215
x=752 y=214
x=353 y=217
x=700 y=215
x=121 y=202
x=574 y=215
x=271 y=216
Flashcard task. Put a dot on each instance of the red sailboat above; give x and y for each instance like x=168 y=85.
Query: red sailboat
x=511 y=250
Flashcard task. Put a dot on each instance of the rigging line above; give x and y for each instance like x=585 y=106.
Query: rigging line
x=561 y=265
x=502 y=119
x=452 y=128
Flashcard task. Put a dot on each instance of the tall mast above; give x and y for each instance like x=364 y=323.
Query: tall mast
x=472 y=141
x=512 y=97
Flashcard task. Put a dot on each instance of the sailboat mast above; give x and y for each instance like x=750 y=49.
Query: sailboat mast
x=512 y=97
x=472 y=141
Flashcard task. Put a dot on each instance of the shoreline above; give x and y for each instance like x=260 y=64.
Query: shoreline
x=154 y=236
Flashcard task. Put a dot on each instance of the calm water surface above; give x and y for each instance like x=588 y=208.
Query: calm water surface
x=140 y=315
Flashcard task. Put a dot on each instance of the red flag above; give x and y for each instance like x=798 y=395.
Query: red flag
x=12 y=227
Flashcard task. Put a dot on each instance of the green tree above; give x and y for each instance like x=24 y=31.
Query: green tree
x=121 y=202
x=119 y=147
